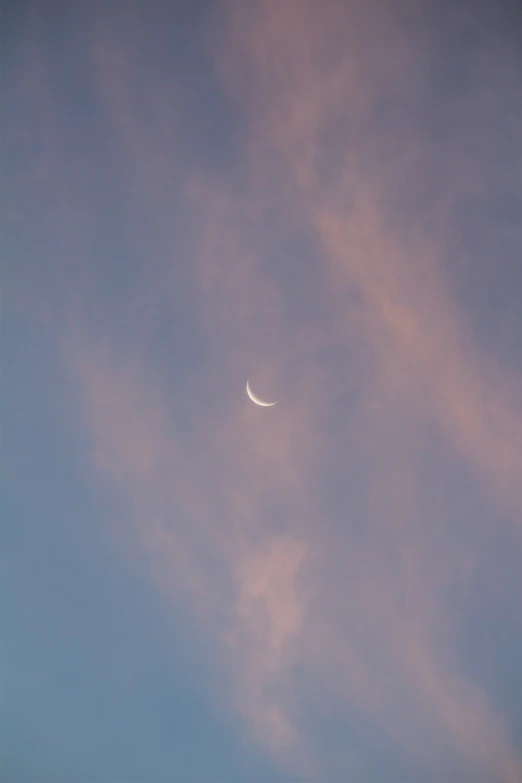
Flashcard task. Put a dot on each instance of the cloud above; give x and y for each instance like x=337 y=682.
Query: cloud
x=315 y=544
x=207 y=547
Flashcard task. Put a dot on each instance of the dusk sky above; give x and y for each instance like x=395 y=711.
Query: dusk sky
x=323 y=197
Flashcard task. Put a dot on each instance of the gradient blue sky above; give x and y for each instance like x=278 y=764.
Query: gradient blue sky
x=324 y=196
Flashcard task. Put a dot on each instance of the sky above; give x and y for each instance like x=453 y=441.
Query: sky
x=323 y=197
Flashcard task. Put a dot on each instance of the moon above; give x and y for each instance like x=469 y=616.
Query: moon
x=257 y=400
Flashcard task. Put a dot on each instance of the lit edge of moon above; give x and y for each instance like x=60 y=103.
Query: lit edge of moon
x=258 y=400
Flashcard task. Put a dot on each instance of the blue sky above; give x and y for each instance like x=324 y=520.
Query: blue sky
x=325 y=198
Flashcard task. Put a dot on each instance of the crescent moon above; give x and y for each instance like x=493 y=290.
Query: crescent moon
x=257 y=400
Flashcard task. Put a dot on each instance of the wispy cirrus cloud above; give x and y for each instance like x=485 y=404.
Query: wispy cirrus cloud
x=318 y=545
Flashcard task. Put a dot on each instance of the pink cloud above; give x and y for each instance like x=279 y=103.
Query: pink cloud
x=236 y=516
